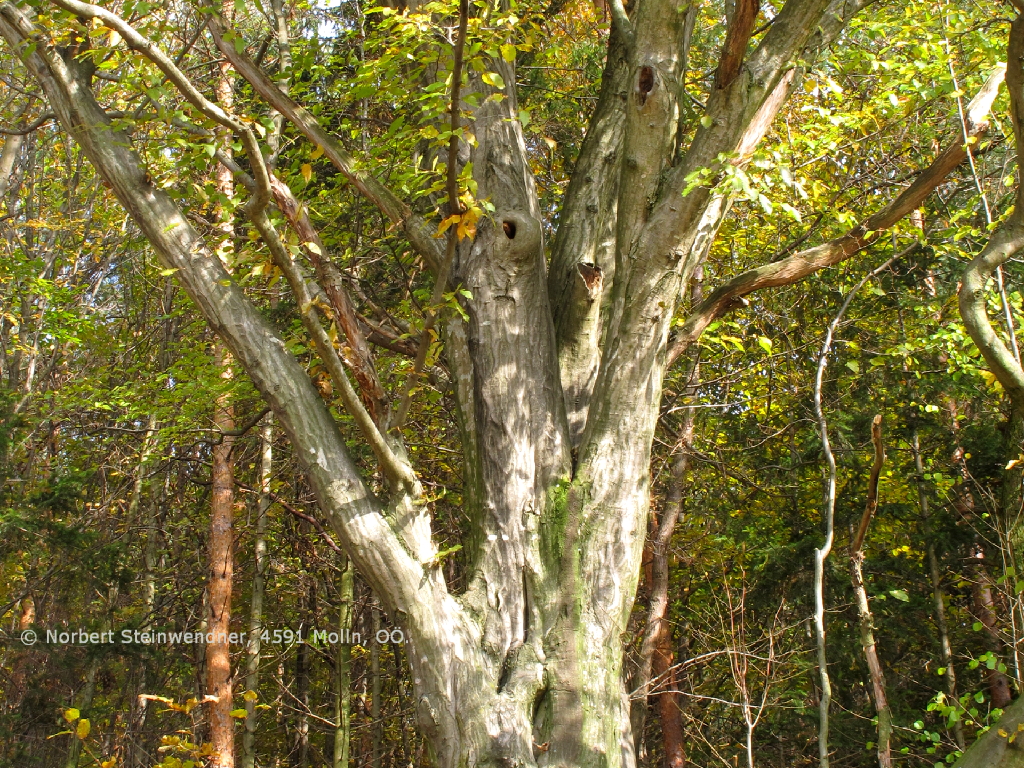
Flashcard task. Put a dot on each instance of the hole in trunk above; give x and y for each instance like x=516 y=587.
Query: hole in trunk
x=645 y=84
x=510 y=229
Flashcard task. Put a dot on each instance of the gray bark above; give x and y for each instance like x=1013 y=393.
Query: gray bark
x=1001 y=746
x=260 y=562
x=526 y=668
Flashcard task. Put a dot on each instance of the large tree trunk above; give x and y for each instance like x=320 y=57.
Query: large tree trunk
x=1001 y=746
x=525 y=668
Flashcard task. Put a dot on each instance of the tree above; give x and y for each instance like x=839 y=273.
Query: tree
x=556 y=365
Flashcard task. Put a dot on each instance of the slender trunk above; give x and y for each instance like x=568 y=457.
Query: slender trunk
x=375 y=691
x=17 y=689
x=985 y=610
x=938 y=594
x=221 y=556
x=302 y=676
x=149 y=556
x=656 y=654
x=260 y=562
x=820 y=555
x=84 y=703
x=343 y=672
x=218 y=652
x=402 y=702
x=1011 y=508
x=867 y=631
x=85 y=698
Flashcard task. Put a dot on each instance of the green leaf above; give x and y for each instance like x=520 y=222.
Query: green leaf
x=493 y=78
x=900 y=595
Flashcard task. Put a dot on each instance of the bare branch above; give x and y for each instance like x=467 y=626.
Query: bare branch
x=1007 y=240
x=872 y=501
x=40 y=121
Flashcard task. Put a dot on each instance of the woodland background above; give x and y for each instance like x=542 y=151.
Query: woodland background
x=108 y=381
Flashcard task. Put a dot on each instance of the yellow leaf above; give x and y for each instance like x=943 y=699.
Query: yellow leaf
x=71 y=714
x=1002 y=733
x=1013 y=462
x=317 y=153
x=84 y=726
x=465 y=229
x=109 y=763
x=311 y=246
x=443 y=226
x=113 y=38
x=252 y=695
x=307 y=172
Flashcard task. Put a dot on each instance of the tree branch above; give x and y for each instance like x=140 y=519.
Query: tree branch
x=355 y=513
x=741 y=28
x=415 y=228
x=810 y=260
x=872 y=502
x=1007 y=240
x=356 y=352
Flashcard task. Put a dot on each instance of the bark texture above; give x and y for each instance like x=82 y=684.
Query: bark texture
x=557 y=377
x=867 y=629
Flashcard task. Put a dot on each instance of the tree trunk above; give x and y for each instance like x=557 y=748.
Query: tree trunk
x=524 y=668
x=343 y=671
x=656 y=650
x=218 y=652
x=303 y=660
x=1001 y=746
x=376 y=726
x=260 y=562
x=938 y=594
x=867 y=631
x=985 y=612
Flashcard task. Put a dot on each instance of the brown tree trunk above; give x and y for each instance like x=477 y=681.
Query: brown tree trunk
x=218 y=652
x=221 y=554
